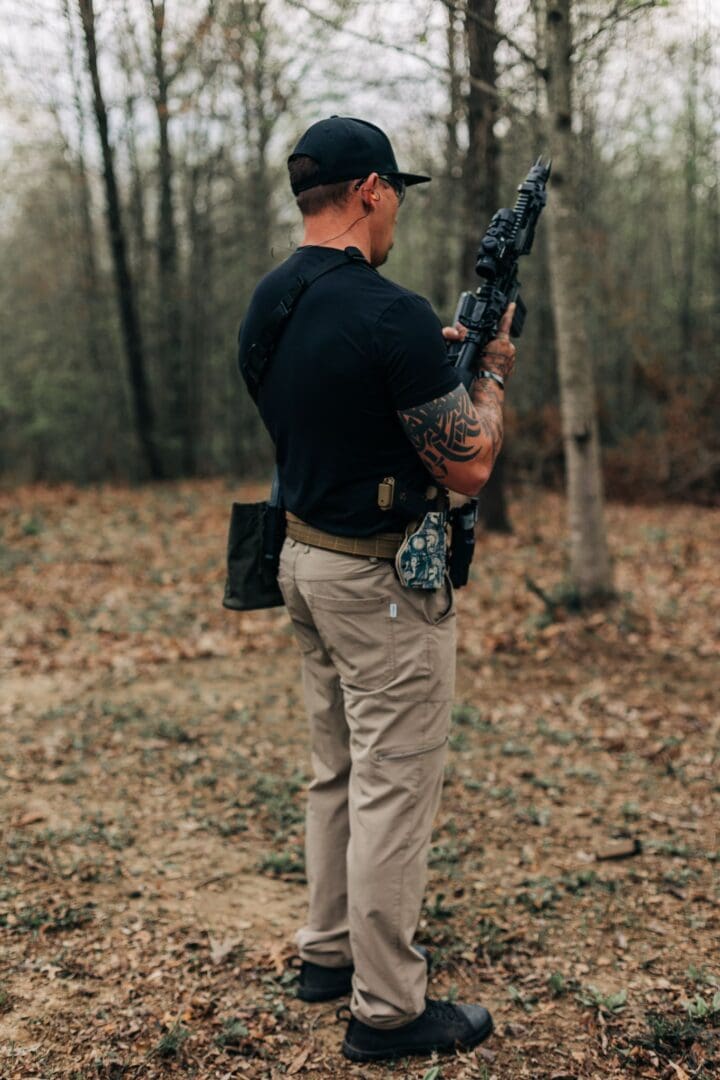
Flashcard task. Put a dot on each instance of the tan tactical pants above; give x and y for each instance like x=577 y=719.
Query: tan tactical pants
x=378 y=666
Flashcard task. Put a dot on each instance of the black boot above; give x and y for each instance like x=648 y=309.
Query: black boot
x=318 y=983
x=442 y=1027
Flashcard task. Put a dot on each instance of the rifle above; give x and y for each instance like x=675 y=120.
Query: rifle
x=509 y=235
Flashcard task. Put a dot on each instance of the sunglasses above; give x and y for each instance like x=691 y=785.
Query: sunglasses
x=394 y=182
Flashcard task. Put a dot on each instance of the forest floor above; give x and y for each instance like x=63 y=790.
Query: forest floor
x=152 y=772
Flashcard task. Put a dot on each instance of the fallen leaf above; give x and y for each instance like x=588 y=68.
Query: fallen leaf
x=29 y=818
x=220 y=950
x=619 y=849
x=297 y=1063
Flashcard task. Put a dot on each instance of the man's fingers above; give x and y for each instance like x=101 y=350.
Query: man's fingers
x=454 y=333
x=506 y=323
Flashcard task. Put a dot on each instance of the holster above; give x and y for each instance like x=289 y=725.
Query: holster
x=462 y=544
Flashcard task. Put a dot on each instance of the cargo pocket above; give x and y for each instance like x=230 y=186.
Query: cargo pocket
x=399 y=753
x=359 y=636
x=412 y=729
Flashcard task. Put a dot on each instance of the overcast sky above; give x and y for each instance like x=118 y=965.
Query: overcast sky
x=398 y=84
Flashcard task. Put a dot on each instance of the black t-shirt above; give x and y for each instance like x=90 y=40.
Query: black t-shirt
x=356 y=349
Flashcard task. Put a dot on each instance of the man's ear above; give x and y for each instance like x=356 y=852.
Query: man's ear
x=368 y=190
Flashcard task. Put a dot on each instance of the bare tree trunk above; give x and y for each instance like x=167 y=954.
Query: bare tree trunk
x=481 y=170
x=443 y=274
x=714 y=231
x=144 y=420
x=139 y=243
x=482 y=191
x=256 y=84
x=201 y=285
x=690 y=171
x=108 y=387
x=589 y=558
x=180 y=426
x=90 y=275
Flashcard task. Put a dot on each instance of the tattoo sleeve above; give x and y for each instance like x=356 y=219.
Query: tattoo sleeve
x=487 y=399
x=453 y=430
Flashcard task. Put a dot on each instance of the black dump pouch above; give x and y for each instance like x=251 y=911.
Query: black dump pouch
x=256 y=535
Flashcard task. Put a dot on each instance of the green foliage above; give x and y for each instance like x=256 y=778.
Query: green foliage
x=525 y=1001
x=171 y=1043
x=232 y=1035
x=279 y=799
x=701 y=1008
x=491 y=939
x=596 y=999
x=674 y=1035
x=31 y=919
x=169 y=730
x=467 y=716
x=438 y=909
x=290 y=861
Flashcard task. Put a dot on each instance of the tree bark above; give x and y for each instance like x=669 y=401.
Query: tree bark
x=481 y=171
x=132 y=336
x=690 y=177
x=590 y=566
x=447 y=182
x=482 y=191
x=105 y=382
x=180 y=426
x=256 y=82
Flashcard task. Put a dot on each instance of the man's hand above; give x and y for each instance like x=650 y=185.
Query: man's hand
x=499 y=354
x=458 y=332
x=458 y=435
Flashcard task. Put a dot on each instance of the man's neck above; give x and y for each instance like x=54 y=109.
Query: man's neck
x=327 y=230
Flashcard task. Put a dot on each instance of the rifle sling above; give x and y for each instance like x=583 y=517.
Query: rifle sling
x=261 y=351
x=260 y=355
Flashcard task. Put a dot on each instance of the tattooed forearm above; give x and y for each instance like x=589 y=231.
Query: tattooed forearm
x=444 y=430
x=487 y=399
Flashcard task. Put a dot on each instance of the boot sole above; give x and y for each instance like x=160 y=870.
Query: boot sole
x=354 y=1054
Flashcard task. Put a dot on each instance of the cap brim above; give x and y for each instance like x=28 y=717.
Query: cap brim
x=412 y=178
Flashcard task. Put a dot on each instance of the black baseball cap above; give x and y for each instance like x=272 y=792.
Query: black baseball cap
x=345 y=149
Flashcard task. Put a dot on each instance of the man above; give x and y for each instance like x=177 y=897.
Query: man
x=358 y=389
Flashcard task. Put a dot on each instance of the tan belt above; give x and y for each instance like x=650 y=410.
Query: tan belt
x=380 y=546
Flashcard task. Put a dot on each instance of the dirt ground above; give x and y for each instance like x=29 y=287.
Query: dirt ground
x=152 y=770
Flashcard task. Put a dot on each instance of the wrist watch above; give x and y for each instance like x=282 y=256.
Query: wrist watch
x=483 y=373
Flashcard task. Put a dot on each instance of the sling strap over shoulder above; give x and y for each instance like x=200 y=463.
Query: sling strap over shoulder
x=261 y=351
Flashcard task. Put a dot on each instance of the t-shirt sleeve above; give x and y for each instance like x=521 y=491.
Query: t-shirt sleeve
x=411 y=351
